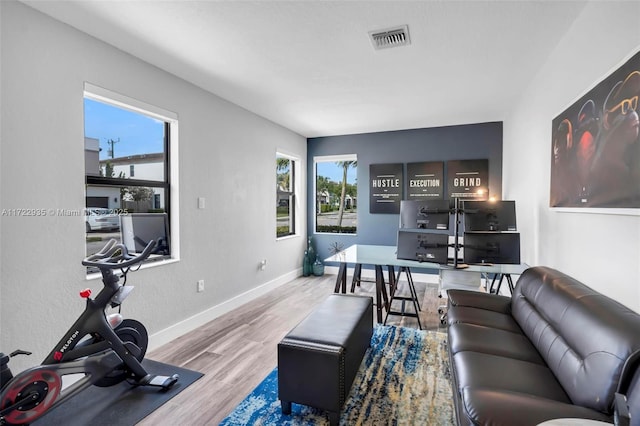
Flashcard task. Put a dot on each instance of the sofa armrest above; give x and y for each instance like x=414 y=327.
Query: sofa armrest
x=628 y=393
x=621 y=415
x=476 y=299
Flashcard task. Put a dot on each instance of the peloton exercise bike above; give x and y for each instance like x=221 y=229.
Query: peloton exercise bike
x=105 y=349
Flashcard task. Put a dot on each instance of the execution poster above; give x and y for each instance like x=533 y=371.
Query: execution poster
x=425 y=180
x=385 y=188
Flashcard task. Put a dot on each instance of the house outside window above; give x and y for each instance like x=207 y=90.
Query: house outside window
x=286 y=188
x=127 y=162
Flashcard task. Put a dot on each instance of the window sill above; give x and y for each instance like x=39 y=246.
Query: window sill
x=287 y=237
x=146 y=265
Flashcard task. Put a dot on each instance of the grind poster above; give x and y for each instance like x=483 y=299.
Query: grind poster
x=468 y=179
x=385 y=188
x=425 y=181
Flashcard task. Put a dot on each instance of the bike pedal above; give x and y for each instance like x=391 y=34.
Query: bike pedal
x=164 y=382
x=170 y=381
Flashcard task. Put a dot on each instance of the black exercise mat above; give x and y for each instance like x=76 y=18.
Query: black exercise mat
x=119 y=405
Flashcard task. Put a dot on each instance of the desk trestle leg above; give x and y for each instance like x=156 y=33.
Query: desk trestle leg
x=412 y=298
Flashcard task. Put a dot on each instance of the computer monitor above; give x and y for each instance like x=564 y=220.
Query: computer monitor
x=497 y=216
x=492 y=247
x=137 y=229
x=422 y=246
x=424 y=214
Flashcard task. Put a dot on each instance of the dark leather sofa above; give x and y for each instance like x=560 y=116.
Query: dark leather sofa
x=555 y=349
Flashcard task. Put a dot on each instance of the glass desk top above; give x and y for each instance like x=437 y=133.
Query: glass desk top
x=386 y=255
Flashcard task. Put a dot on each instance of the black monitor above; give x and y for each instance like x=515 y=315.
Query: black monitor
x=496 y=216
x=424 y=214
x=422 y=246
x=491 y=247
x=137 y=229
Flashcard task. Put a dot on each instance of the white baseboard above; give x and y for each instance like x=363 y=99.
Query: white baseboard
x=170 y=333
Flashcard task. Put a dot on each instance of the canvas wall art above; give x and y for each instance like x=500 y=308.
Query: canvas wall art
x=425 y=180
x=468 y=179
x=595 y=149
x=385 y=188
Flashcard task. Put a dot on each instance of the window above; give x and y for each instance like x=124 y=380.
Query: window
x=121 y=135
x=336 y=192
x=286 y=184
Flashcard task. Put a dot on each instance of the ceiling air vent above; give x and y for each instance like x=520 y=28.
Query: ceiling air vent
x=393 y=37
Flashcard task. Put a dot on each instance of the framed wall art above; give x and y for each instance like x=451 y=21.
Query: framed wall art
x=595 y=145
x=468 y=179
x=385 y=188
x=425 y=180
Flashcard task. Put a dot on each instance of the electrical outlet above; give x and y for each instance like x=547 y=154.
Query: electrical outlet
x=263 y=264
x=200 y=286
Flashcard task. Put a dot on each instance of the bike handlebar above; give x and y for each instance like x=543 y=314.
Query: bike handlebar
x=116 y=256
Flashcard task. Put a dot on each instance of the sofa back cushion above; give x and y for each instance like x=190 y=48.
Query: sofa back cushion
x=583 y=336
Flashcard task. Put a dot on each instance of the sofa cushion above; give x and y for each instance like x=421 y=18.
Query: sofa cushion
x=481 y=316
x=479 y=370
x=471 y=337
x=476 y=299
x=490 y=406
x=583 y=336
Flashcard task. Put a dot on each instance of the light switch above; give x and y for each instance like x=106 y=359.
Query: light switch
x=201 y=202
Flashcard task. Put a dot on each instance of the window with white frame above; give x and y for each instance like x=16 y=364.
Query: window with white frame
x=286 y=188
x=123 y=135
x=336 y=190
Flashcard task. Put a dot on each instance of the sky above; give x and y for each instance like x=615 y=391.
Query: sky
x=334 y=172
x=138 y=133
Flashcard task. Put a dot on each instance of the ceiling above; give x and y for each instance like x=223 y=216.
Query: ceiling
x=311 y=67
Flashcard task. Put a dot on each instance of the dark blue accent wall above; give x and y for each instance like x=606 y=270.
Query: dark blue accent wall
x=464 y=142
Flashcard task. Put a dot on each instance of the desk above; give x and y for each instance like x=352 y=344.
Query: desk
x=380 y=256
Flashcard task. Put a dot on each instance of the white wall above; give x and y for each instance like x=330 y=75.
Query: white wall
x=601 y=250
x=226 y=155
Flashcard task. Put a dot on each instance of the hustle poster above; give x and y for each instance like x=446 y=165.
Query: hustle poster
x=425 y=180
x=595 y=145
x=385 y=188
x=468 y=179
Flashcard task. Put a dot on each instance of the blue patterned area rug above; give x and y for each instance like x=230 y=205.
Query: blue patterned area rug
x=404 y=379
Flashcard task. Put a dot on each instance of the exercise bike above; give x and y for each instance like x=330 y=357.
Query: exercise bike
x=106 y=349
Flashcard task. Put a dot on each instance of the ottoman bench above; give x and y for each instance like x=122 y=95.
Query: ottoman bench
x=319 y=358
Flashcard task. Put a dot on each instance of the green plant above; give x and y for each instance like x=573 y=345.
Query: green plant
x=336 y=247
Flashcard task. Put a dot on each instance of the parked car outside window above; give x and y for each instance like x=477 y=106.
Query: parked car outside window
x=99 y=219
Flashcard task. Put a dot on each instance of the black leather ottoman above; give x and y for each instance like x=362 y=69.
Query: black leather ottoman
x=319 y=358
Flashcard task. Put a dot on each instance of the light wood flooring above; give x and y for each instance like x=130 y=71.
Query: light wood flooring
x=237 y=350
